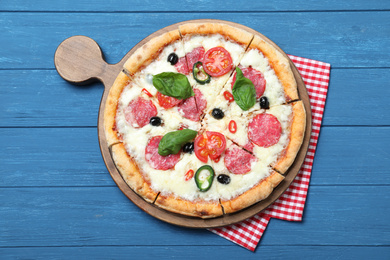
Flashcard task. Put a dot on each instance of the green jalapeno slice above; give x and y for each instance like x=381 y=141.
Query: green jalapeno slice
x=199 y=74
x=204 y=177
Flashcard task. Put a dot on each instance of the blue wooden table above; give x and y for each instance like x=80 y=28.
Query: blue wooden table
x=57 y=199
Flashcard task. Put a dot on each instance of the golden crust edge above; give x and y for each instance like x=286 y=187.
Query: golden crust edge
x=196 y=208
x=236 y=34
x=257 y=193
x=111 y=106
x=131 y=173
x=298 y=127
x=144 y=55
x=281 y=66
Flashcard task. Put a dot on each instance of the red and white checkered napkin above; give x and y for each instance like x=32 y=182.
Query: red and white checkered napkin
x=290 y=205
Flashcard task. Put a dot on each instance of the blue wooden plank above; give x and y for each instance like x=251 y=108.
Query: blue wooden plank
x=358 y=97
x=71 y=157
x=43 y=98
x=352 y=155
x=198 y=252
x=52 y=157
x=344 y=39
x=188 y=6
x=346 y=213
x=88 y=216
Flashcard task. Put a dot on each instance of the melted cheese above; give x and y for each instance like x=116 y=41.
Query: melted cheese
x=173 y=181
x=274 y=90
x=239 y=183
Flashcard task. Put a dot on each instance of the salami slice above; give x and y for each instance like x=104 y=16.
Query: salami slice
x=264 y=130
x=139 y=111
x=181 y=66
x=201 y=102
x=192 y=108
x=256 y=77
x=189 y=110
x=155 y=160
x=249 y=146
x=194 y=56
x=237 y=160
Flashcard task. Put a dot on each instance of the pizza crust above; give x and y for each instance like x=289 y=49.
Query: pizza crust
x=196 y=208
x=259 y=192
x=111 y=106
x=298 y=126
x=232 y=33
x=281 y=66
x=131 y=173
x=144 y=55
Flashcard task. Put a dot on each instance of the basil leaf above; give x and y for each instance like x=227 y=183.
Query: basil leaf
x=244 y=92
x=173 y=84
x=172 y=142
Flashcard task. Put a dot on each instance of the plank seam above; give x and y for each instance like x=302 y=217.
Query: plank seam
x=207 y=11
x=295 y=245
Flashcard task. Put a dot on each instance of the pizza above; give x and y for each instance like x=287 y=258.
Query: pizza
x=204 y=120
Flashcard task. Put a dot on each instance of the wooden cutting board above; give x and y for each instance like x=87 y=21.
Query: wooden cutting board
x=79 y=60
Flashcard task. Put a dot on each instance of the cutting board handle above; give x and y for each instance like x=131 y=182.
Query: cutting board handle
x=80 y=61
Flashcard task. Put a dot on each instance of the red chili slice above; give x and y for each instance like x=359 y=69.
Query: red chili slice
x=217 y=62
x=167 y=101
x=189 y=175
x=232 y=126
x=228 y=96
x=147 y=92
x=210 y=144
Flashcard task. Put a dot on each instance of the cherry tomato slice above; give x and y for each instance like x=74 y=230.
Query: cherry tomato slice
x=216 y=144
x=217 y=159
x=167 y=101
x=200 y=148
x=210 y=144
x=217 y=62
